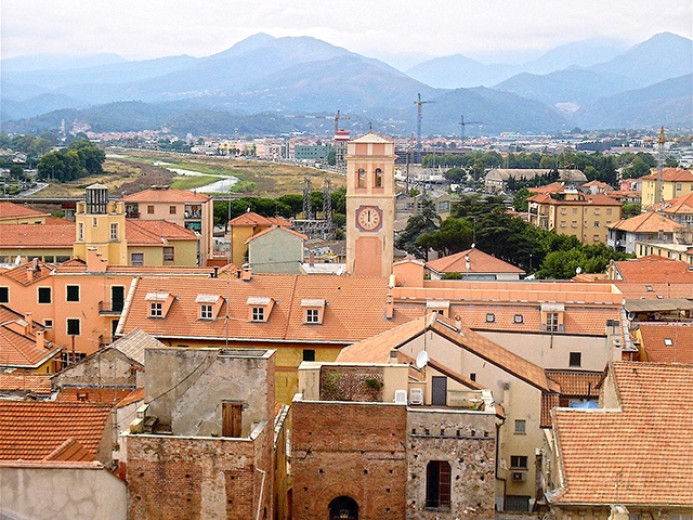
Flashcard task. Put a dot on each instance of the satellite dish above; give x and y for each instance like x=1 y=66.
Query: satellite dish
x=578 y=270
x=631 y=316
x=422 y=359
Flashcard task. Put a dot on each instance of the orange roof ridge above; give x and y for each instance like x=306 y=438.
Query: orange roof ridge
x=70 y=450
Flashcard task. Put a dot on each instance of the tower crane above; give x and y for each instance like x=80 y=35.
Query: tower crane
x=336 y=120
x=464 y=123
x=419 y=103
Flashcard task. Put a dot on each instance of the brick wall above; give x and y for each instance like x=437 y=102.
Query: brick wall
x=348 y=449
x=177 y=478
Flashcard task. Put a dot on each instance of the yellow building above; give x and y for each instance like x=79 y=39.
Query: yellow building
x=245 y=226
x=585 y=217
x=675 y=183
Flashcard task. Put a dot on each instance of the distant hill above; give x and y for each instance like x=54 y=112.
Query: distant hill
x=582 y=54
x=668 y=103
x=573 y=85
x=663 y=56
x=459 y=71
x=268 y=85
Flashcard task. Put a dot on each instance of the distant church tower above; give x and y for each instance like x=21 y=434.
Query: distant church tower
x=370 y=205
x=101 y=225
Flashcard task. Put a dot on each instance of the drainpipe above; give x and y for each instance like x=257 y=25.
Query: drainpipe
x=262 y=487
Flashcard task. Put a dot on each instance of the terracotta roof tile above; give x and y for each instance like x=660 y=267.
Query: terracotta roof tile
x=93 y=395
x=29 y=272
x=37 y=383
x=667 y=343
x=152 y=232
x=10 y=210
x=165 y=195
x=34 y=430
x=253 y=219
x=270 y=229
x=649 y=222
x=671 y=175
x=20 y=351
x=479 y=262
x=654 y=269
x=136 y=395
x=37 y=236
x=589 y=200
x=554 y=187
x=70 y=450
x=636 y=455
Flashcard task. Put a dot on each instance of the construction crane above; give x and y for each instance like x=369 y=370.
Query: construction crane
x=659 y=196
x=336 y=121
x=419 y=103
x=464 y=123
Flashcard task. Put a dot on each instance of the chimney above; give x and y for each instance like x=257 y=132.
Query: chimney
x=27 y=319
x=389 y=307
x=215 y=274
x=95 y=263
x=467 y=263
x=40 y=339
x=311 y=258
x=246 y=275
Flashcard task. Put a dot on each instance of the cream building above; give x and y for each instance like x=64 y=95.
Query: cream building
x=675 y=182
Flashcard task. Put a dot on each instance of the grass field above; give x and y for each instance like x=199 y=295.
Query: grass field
x=134 y=170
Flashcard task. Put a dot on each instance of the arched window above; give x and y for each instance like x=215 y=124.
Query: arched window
x=378 y=178
x=438 y=484
x=361 y=178
x=343 y=508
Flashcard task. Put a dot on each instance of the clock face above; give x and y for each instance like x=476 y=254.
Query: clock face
x=369 y=218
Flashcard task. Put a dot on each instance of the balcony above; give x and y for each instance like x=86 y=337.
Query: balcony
x=112 y=308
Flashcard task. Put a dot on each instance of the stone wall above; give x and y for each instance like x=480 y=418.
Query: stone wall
x=348 y=449
x=107 y=368
x=467 y=441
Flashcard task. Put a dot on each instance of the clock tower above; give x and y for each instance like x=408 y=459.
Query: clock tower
x=370 y=205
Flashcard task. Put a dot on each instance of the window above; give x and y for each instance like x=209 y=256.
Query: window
x=80 y=231
x=137 y=259
x=608 y=211
x=378 y=178
x=72 y=293
x=518 y=318
x=444 y=206
x=150 y=210
x=490 y=318
x=472 y=376
x=156 y=309
x=206 y=312
x=575 y=359
x=258 y=314
x=308 y=354
x=4 y=294
x=172 y=210
x=520 y=425
x=48 y=324
x=518 y=461
x=73 y=326
x=44 y=295
x=361 y=180
x=168 y=254
x=596 y=223
x=312 y=316
x=114 y=231
x=94 y=222
x=438 y=484
x=573 y=223
x=597 y=211
x=678 y=187
x=552 y=322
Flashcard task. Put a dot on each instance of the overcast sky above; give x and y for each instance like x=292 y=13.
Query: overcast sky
x=398 y=31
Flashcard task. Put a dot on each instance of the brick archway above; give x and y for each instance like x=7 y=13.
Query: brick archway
x=343 y=507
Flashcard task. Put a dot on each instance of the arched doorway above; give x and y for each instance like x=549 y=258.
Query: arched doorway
x=343 y=508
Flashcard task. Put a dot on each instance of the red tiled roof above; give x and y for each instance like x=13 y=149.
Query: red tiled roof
x=636 y=455
x=654 y=269
x=165 y=195
x=554 y=187
x=649 y=222
x=377 y=349
x=152 y=232
x=70 y=450
x=588 y=200
x=479 y=262
x=37 y=236
x=354 y=311
x=270 y=229
x=93 y=395
x=20 y=351
x=37 y=383
x=682 y=204
x=136 y=395
x=10 y=210
x=34 y=430
x=677 y=349
x=29 y=272
x=671 y=175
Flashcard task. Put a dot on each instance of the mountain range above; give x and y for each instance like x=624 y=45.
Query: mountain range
x=267 y=85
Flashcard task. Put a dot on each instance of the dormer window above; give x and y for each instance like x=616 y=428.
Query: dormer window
x=209 y=305
x=552 y=317
x=313 y=311
x=259 y=309
x=159 y=303
x=442 y=307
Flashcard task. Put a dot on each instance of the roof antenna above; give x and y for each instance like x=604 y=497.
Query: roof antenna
x=370 y=126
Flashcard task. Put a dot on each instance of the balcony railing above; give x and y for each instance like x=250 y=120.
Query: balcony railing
x=110 y=307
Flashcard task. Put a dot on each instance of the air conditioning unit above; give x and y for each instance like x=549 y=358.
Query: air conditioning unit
x=416 y=396
x=519 y=476
x=400 y=397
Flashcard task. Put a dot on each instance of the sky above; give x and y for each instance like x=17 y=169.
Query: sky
x=400 y=32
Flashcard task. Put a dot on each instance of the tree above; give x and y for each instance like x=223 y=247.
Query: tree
x=630 y=210
x=17 y=172
x=332 y=158
x=293 y=201
x=520 y=199
x=427 y=221
x=454 y=235
x=91 y=157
